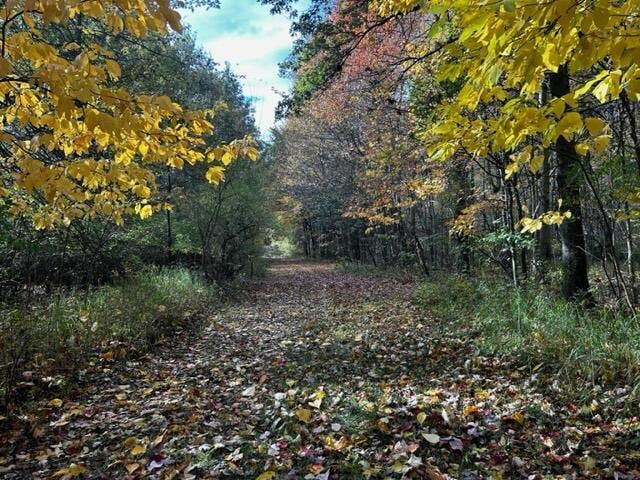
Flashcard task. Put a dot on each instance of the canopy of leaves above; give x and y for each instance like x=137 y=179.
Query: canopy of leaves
x=76 y=144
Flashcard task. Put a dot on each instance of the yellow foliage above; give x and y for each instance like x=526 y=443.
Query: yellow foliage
x=56 y=176
x=509 y=47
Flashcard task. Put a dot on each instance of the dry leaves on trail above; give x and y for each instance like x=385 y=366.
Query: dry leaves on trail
x=319 y=374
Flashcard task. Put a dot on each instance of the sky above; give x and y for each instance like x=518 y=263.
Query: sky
x=245 y=34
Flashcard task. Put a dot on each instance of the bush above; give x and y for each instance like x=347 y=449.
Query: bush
x=526 y=324
x=58 y=335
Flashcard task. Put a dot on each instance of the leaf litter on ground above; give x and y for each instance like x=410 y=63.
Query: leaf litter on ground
x=322 y=374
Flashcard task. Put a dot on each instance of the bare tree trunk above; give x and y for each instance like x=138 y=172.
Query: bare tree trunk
x=169 y=230
x=569 y=179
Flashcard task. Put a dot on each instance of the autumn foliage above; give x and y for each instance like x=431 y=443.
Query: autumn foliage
x=497 y=121
x=76 y=144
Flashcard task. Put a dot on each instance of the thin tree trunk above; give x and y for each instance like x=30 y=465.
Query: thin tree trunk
x=169 y=230
x=544 y=235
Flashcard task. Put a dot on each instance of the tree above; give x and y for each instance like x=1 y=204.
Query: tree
x=491 y=121
x=74 y=143
x=510 y=48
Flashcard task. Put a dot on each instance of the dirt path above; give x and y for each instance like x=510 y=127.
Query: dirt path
x=320 y=374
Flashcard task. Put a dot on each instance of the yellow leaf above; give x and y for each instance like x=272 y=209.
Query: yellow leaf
x=5 y=67
x=482 y=394
x=72 y=471
x=318 y=396
x=173 y=19
x=253 y=154
x=115 y=23
x=304 y=414
x=143 y=148
x=582 y=149
x=146 y=212
x=557 y=107
x=536 y=163
x=601 y=143
x=511 y=169
x=530 y=225
x=142 y=191
x=124 y=157
x=56 y=402
x=470 y=410
x=569 y=124
x=422 y=417
x=113 y=68
x=268 y=475
x=227 y=158
x=595 y=126
x=215 y=174
x=550 y=57
x=518 y=417
x=93 y=8
x=138 y=449
x=398 y=466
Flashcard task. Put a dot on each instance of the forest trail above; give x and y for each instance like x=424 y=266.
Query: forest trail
x=320 y=374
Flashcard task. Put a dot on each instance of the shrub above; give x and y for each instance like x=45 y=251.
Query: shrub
x=62 y=333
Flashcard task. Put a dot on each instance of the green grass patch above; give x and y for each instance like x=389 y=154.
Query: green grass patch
x=59 y=334
x=595 y=345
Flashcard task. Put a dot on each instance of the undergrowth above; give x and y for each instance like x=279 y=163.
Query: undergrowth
x=49 y=340
x=396 y=272
x=596 y=345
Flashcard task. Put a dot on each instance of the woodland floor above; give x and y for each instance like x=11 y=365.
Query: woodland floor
x=316 y=373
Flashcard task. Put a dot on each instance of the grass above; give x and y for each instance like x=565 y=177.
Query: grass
x=58 y=334
x=396 y=272
x=597 y=345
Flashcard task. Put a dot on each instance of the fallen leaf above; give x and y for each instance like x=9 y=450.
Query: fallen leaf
x=72 y=470
x=431 y=438
x=268 y=475
x=138 y=450
x=249 y=392
x=132 y=467
x=304 y=414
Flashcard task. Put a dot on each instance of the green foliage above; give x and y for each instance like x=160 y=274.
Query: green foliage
x=448 y=295
x=505 y=239
x=227 y=239
x=58 y=334
x=594 y=345
x=281 y=248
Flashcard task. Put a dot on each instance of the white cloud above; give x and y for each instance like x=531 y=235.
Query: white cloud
x=253 y=41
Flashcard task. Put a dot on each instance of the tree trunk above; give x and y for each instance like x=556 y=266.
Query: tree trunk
x=544 y=235
x=569 y=179
x=169 y=231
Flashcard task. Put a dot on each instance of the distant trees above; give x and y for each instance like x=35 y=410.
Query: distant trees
x=500 y=132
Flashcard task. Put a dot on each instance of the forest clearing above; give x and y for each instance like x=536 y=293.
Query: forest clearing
x=319 y=239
